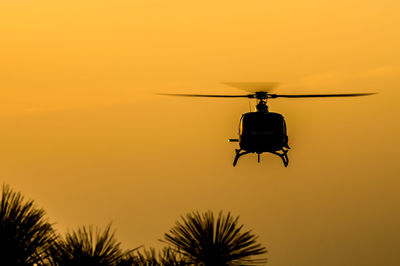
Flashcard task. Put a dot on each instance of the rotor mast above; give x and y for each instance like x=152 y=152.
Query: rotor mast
x=262 y=97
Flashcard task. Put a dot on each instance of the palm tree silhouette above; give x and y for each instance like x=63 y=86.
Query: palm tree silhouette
x=88 y=247
x=149 y=257
x=205 y=241
x=25 y=235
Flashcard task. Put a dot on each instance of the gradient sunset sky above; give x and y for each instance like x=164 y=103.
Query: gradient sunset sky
x=84 y=135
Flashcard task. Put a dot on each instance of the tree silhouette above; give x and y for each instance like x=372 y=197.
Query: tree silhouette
x=25 y=235
x=205 y=241
x=86 y=247
x=150 y=257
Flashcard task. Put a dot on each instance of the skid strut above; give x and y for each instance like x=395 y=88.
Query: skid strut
x=282 y=154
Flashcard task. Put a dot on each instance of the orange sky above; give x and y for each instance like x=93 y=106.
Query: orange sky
x=83 y=135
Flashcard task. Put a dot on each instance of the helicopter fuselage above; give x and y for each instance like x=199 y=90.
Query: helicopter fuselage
x=262 y=131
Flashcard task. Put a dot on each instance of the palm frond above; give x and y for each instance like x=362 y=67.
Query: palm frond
x=149 y=257
x=204 y=240
x=25 y=235
x=87 y=246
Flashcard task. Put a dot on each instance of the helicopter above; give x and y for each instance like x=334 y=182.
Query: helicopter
x=263 y=131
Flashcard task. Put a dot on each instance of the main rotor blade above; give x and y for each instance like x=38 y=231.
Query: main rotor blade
x=208 y=95
x=317 y=95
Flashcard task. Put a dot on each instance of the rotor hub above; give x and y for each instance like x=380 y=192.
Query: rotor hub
x=261 y=95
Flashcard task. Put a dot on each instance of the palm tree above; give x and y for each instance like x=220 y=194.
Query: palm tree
x=169 y=256
x=149 y=257
x=205 y=241
x=25 y=235
x=86 y=247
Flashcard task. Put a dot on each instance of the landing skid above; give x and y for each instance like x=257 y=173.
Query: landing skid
x=282 y=154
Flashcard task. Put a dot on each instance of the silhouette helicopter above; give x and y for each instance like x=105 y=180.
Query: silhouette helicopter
x=263 y=131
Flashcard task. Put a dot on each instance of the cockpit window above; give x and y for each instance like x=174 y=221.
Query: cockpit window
x=261 y=124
